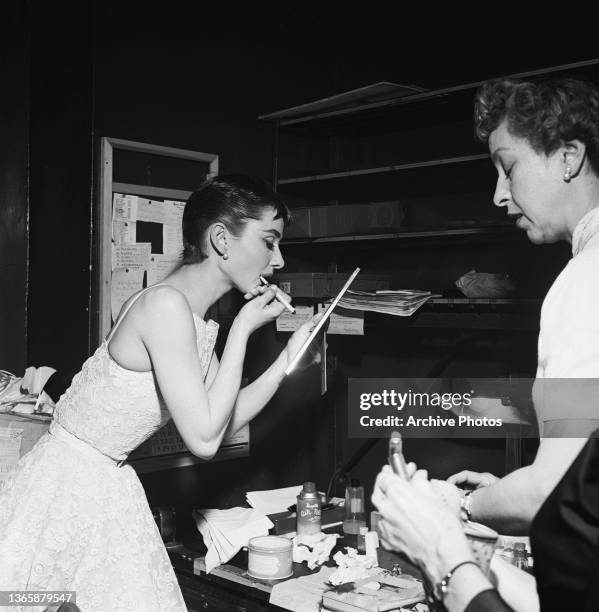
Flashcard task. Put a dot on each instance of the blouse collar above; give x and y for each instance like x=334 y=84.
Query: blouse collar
x=587 y=227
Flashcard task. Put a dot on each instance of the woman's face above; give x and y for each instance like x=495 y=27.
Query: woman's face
x=530 y=186
x=255 y=251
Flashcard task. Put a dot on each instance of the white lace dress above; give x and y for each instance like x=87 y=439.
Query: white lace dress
x=72 y=517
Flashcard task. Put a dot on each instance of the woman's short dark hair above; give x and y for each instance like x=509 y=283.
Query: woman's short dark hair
x=232 y=199
x=546 y=113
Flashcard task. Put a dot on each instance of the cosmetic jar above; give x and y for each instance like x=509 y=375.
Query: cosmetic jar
x=270 y=557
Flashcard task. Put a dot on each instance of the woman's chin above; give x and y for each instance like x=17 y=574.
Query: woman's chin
x=537 y=236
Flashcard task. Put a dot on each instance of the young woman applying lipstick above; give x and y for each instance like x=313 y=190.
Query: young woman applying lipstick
x=72 y=516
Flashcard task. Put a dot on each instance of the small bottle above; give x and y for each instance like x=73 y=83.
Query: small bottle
x=355 y=515
x=520 y=556
x=362 y=540
x=308 y=510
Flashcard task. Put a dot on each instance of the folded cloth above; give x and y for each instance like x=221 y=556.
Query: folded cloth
x=225 y=532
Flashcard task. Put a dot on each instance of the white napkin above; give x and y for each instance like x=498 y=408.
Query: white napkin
x=26 y=395
x=225 y=532
x=273 y=500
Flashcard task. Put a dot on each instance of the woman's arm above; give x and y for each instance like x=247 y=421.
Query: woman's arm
x=254 y=397
x=509 y=505
x=169 y=335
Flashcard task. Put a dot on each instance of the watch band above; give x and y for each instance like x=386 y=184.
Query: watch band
x=443 y=586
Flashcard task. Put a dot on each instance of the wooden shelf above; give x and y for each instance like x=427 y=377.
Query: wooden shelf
x=424 y=318
x=287 y=118
x=485 y=301
x=384 y=169
x=447 y=233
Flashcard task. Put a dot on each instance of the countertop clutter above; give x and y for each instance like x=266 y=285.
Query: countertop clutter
x=230 y=587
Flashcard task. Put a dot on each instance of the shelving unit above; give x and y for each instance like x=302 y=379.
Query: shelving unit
x=444 y=233
x=394 y=168
x=417 y=149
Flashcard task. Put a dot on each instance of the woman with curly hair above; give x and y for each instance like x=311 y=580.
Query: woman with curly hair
x=543 y=139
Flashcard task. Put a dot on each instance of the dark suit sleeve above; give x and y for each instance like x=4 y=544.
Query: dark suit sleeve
x=488 y=601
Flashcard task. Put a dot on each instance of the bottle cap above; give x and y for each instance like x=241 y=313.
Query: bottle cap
x=309 y=487
x=519 y=546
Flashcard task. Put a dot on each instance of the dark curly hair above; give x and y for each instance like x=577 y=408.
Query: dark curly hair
x=231 y=199
x=546 y=113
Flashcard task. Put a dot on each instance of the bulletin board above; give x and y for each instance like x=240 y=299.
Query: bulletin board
x=143 y=190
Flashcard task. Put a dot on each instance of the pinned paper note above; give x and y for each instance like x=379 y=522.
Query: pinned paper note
x=173 y=212
x=131 y=255
x=172 y=240
x=349 y=323
x=124 y=232
x=125 y=282
x=289 y=322
x=124 y=207
x=161 y=266
x=167 y=440
x=151 y=211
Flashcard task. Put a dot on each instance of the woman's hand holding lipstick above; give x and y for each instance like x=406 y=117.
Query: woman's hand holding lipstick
x=279 y=295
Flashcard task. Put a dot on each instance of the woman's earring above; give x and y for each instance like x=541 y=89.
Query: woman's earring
x=225 y=255
x=568 y=174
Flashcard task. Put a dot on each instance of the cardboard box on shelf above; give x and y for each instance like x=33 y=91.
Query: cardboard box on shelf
x=337 y=220
x=307 y=222
x=377 y=217
x=327 y=284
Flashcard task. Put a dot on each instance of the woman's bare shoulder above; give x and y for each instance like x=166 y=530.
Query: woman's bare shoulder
x=164 y=301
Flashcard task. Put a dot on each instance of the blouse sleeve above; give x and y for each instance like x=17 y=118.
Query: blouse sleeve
x=488 y=601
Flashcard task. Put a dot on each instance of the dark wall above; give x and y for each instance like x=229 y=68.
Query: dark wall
x=198 y=78
x=170 y=82
x=14 y=114
x=61 y=170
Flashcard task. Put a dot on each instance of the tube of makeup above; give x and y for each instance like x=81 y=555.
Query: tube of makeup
x=396 y=460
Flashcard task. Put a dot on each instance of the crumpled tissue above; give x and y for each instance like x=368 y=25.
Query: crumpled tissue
x=313 y=548
x=225 y=532
x=351 y=566
x=25 y=395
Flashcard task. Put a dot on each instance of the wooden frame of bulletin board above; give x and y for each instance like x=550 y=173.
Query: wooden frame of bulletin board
x=165 y=449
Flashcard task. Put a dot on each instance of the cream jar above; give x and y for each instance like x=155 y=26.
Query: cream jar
x=270 y=557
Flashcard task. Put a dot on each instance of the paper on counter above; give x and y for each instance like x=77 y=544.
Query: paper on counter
x=273 y=500
x=302 y=594
x=226 y=531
